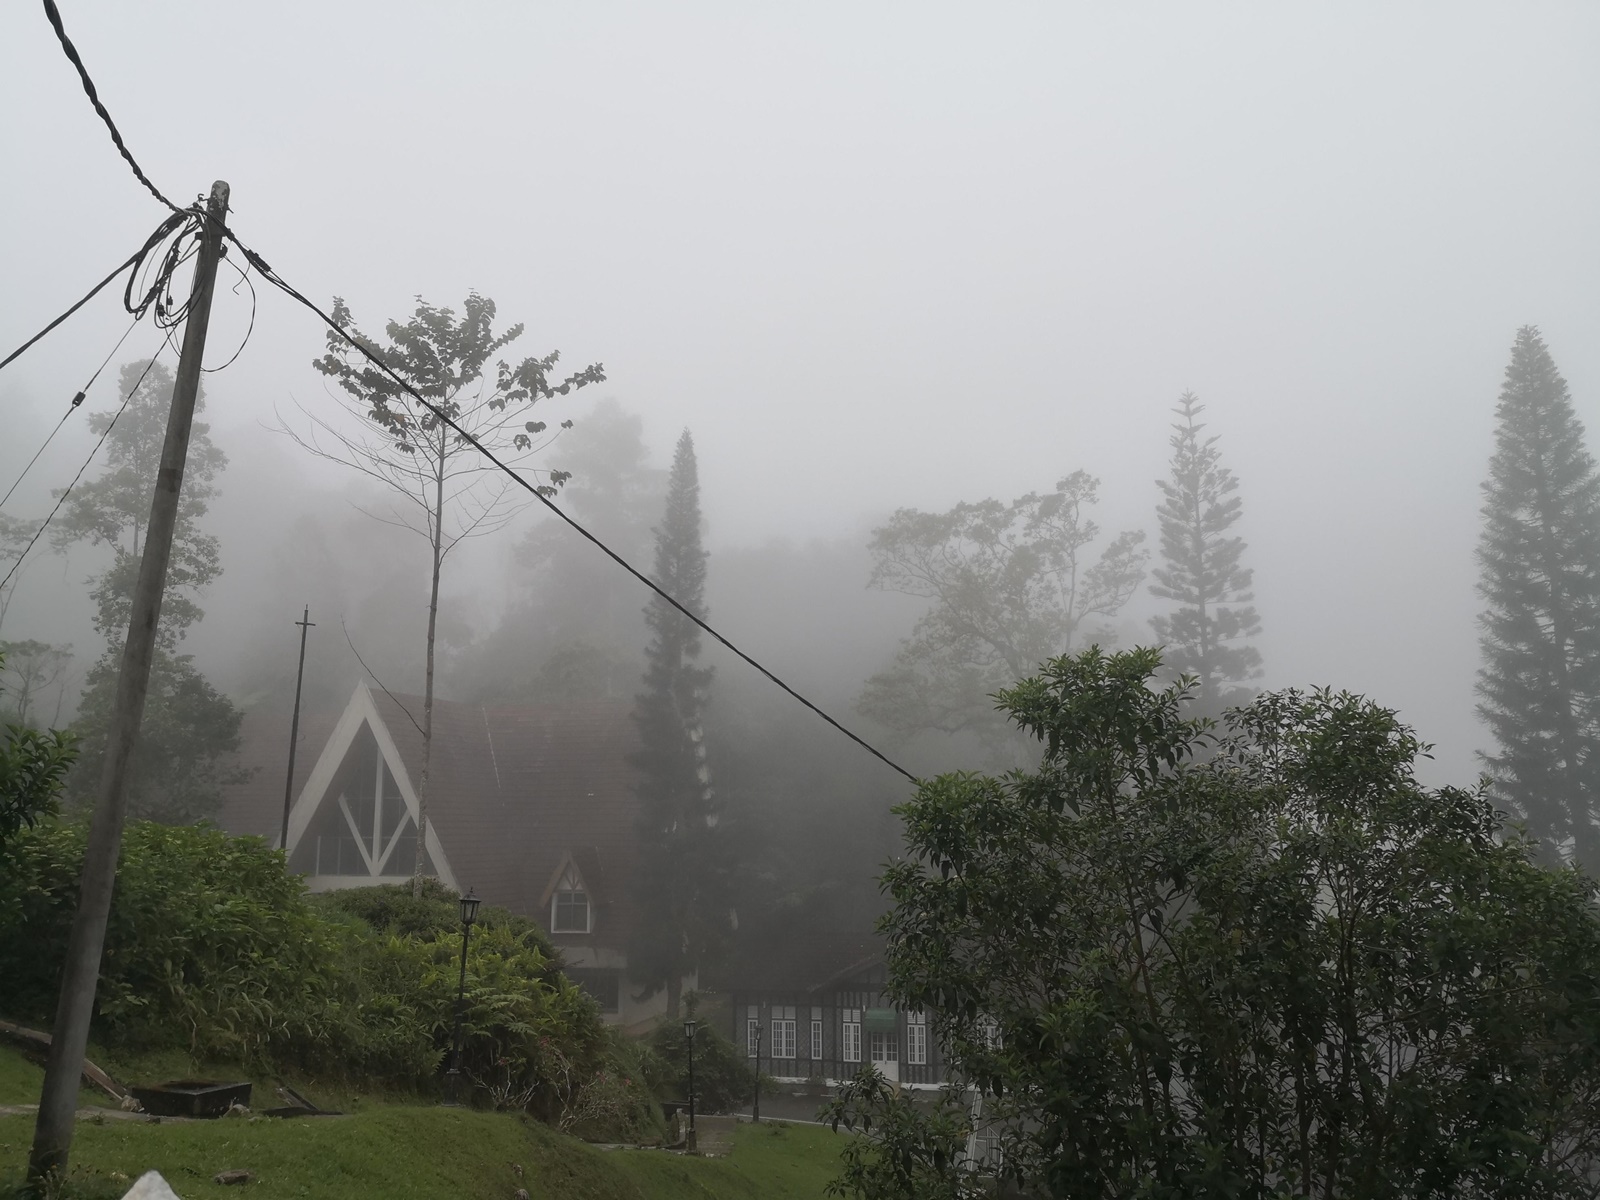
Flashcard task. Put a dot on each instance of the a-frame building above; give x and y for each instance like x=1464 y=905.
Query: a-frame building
x=532 y=807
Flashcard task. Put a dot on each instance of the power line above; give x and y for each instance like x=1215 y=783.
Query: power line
x=77 y=399
x=172 y=259
x=375 y=678
x=284 y=286
x=155 y=239
x=54 y=15
x=67 y=491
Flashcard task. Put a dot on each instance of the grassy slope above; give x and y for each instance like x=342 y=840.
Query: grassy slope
x=20 y=1081
x=771 y=1161
x=420 y=1152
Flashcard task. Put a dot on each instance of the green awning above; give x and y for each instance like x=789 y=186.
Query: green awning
x=880 y=1020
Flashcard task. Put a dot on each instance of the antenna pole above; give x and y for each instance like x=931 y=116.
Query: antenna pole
x=305 y=623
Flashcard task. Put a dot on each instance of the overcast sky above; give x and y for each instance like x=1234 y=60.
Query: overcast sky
x=883 y=255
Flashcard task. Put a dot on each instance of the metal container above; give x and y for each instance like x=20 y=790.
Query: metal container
x=191 y=1097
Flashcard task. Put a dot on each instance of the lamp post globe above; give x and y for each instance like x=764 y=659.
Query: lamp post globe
x=452 y=1077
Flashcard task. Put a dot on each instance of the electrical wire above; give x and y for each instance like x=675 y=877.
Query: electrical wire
x=67 y=491
x=244 y=278
x=180 y=234
x=76 y=401
x=272 y=277
x=155 y=239
x=54 y=16
x=166 y=315
x=375 y=678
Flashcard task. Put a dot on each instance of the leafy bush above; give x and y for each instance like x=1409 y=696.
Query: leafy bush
x=209 y=945
x=33 y=766
x=722 y=1079
x=214 y=947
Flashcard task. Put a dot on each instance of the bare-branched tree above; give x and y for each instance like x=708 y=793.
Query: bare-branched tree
x=446 y=490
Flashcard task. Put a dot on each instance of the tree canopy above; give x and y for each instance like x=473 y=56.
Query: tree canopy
x=190 y=733
x=448 y=491
x=1281 y=967
x=1010 y=585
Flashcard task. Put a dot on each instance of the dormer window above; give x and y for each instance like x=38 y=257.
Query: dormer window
x=569 y=907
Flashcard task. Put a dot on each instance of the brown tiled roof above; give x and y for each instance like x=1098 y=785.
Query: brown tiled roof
x=511 y=791
x=256 y=805
x=794 y=958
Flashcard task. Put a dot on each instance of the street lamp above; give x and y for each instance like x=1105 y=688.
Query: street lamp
x=755 y=1114
x=688 y=1034
x=452 y=1077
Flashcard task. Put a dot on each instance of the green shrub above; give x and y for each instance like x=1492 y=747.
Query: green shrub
x=722 y=1078
x=212 y=946
x=209 y=944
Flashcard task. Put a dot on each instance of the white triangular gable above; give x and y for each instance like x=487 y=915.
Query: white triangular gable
x=361 y=711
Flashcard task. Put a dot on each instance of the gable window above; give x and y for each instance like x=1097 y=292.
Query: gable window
x=852 y=1034
x=569 y=907
x=783 y=1031
x=917 y=1039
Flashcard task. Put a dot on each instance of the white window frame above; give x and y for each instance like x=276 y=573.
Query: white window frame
x=917 y=1039
x=850 y=1046
x=816 y=1041
x=752 y=1038
x=888 y=1041
x=571 y=884
x=783 y=1045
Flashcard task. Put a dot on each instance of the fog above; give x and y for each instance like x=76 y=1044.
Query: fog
x=874 y=257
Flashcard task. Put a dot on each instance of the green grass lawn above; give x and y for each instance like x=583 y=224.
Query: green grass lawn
x=20 y=1081
x=770 y=1161
x=410 y=1151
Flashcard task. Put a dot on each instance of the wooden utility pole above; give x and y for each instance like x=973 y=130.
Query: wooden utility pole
x=52 y=1133
x=305 y=623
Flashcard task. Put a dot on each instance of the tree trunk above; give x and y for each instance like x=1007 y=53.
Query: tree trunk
x=427 y=692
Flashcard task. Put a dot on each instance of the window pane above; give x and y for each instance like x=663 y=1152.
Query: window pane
x=572 y=913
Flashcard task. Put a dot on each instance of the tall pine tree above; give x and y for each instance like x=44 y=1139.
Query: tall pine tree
x=1539 y=560
x=1200 y=571
x=681 y=886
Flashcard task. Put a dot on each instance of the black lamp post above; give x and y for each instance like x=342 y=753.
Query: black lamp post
x=452 y=1077
x=755 y=1114
x=688 y=1034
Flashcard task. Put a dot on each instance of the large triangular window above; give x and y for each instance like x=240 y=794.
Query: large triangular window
x=364 y=826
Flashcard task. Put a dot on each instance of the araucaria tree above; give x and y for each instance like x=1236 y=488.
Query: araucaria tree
x=681 y=887
x=1272 y=967
x=1200 y=569
x=1010 y=585
x=190 y=733
x=1539 y=561
x=449 y=490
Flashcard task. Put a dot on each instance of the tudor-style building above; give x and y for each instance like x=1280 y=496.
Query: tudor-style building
x=531 y=807
x=809 y=1005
